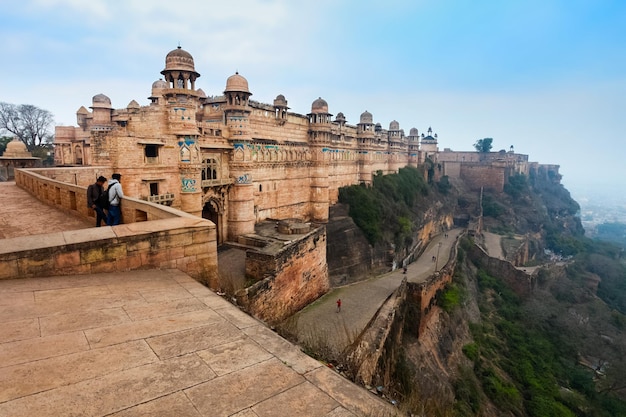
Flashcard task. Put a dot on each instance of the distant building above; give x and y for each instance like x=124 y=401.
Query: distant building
x=16 y=155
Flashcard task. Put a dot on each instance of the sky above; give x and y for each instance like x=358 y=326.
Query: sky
x=547 y=77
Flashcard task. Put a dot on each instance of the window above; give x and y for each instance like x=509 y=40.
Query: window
x=210 y=169
x=151 y=151
x=154 y=188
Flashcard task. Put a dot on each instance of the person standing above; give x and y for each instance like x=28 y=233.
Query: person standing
x=115 y=198
x=94 y=191
x=339 y=305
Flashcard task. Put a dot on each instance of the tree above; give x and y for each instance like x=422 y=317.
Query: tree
x=4 y=140
x=28 y=123
x=483 y=145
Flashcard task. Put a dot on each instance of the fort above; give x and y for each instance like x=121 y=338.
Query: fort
x=238 y=162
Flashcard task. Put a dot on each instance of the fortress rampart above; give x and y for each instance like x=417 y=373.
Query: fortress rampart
x=155 y=237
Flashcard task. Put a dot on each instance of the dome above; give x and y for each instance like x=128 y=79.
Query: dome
x=340 y=117
x=366 y=117
x=159 y=84
x=179 y=59
x=101 y=101
x=394 y=125
x=280 y=100
x=413 y=132
x=133 y=105
x=319 y=106
x=16 y=149
x=237 y=83
x=82 y=110
x=201 y=93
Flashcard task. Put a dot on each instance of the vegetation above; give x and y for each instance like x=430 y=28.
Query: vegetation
x=483 y=145
x=4 y=140
x=387 y=209
x=28 y=123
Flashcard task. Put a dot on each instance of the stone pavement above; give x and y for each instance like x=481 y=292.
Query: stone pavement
x=318 y=324
x=146 y=343
x=21 y=214
x=154 y=343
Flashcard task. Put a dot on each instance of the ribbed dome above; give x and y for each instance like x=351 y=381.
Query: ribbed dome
x=236 y=83
x=319 y=106
x=101 y=101
x=280 y=100
x=160 y=83
x=394 y=125
x=366 y=117
x=413 y=132
x=179 y=59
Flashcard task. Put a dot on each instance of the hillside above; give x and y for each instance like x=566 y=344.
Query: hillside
x=491 y=350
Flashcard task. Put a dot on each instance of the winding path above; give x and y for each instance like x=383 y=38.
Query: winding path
x=320 y=326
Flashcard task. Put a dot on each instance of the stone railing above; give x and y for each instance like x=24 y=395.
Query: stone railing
x=151 y=236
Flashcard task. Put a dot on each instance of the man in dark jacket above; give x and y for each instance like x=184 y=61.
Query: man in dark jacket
x=94 y=191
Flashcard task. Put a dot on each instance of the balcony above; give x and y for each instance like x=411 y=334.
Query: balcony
x=164 y=199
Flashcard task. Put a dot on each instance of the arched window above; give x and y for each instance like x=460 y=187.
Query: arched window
x=210 y=169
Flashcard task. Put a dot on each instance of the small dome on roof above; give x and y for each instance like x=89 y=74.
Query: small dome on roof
x=101 y=101
x=280 y=100
x=133 y=105
x=319 y=106
x=16 y=149
x=366 y=117
x=82 y=110
x=159 y=83
x=179 y=59
x=413 y=132
x=201 y=93
x=340 y=117
x=237 y=83
x=394 y=125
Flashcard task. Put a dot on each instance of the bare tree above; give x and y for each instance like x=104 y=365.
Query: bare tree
x=28 y=123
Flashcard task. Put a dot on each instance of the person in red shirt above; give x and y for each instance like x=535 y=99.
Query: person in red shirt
x=338 y=305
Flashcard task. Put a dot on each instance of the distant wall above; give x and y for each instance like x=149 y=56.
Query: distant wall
x=477 y=175
x=152 y=236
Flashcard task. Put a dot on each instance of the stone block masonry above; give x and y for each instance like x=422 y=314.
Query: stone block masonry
x=152 y=236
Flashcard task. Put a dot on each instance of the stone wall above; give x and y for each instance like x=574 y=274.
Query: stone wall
x=289 y=279
x=521 y=282
x=483 y=175
x=152 y=236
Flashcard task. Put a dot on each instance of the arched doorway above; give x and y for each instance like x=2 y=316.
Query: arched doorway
x=212 y=211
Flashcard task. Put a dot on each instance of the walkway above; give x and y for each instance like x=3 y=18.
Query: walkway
x=318 y=325
x=21 y=214
x=149 y=342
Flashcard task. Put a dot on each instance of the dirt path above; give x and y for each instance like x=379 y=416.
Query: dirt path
x=320 y=326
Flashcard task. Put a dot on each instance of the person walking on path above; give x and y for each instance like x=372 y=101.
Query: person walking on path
x=94 y=191
x=115 y=198
x=338 y=305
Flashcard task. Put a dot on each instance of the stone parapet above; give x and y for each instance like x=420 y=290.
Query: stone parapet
x=152 y=236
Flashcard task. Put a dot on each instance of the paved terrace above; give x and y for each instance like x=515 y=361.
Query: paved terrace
x=147 y=343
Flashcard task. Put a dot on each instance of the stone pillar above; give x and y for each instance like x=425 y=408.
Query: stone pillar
x=319 y=190
x=241 y=216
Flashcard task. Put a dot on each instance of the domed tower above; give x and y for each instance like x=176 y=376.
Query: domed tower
x=428 y=146
x=236 y=109
x=158 y=88
x=101 y=107
x=179 y=71
x=340 y=119
x=280 y=107
x=414 y=140
x=320 y=131
x=241 y=214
